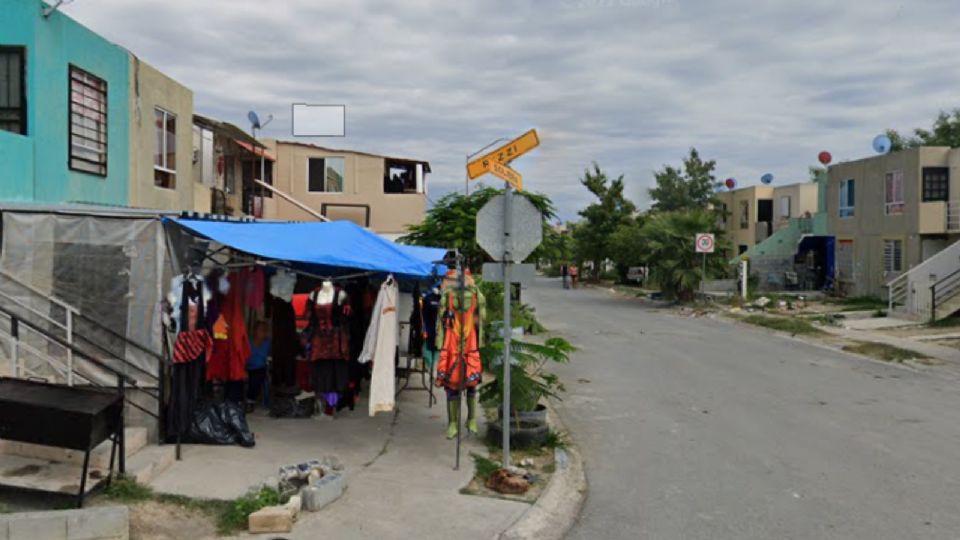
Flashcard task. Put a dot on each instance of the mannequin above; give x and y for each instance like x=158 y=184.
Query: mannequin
x=459 y=371
x=329 y=342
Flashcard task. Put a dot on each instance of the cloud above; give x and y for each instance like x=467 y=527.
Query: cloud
x=631 y=84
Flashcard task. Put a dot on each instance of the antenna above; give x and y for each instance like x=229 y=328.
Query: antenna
x=48 y=10
x=254 y=119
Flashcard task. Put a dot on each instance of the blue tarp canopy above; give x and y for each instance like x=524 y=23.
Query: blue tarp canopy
x=331 y=246
x=430 y=255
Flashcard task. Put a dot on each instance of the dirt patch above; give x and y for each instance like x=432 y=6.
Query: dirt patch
x=538 y=462
x=26 y=470
x=887 y=353
x=152 y=520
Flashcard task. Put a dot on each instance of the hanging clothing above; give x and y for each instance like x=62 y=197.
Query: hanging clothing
x=415 y=338
x=285 y=345
x=458 y=322
x=380 y=346
x=190 y=345
x=329 y=343
x=229 y=357
x=282 y=285
x=429 y=308
x=253 y=279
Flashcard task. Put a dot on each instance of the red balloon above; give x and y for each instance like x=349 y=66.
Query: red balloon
x=730 y=183
x=825 y=157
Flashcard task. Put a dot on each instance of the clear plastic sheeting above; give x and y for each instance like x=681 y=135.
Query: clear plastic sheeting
x=111 y=270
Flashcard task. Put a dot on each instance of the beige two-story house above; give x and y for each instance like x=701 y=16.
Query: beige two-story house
x=753 y=213
x=891 y=212
x=385 y=194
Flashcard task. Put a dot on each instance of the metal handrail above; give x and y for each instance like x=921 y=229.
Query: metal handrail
x=15 y=322
x=942 y=290
x=900 y=284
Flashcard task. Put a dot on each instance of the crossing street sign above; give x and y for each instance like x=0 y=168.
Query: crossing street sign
x=504 y=154
x=705 y=243
x=506 y=174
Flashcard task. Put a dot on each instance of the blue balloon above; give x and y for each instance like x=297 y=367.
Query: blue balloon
x=767 y=178
x=882 y=144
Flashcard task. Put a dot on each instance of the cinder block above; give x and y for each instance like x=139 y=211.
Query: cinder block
x=33 y=526
x=322 y=492
x=272 y=519
x=101 y=523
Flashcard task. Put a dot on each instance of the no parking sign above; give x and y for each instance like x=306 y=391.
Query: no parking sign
x=705 y=243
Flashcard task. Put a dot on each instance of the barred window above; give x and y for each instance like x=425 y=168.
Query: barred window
x=893 y=256
x=88 y=122
x=13 y=98
x=936 y=183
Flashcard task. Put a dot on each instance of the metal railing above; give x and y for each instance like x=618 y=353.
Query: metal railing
x=45 y=331
x=944 y=290
x=953 y=216
x=897 y=291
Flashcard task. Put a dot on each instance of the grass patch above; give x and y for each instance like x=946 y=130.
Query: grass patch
x=782 y=324
x=858 y=303
x=230 y=516
x=484 y=466
x=949 y=322
x=556 y=439
x=882 y=351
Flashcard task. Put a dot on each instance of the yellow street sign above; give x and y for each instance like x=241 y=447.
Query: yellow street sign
x=504 y=154
x=506 y=174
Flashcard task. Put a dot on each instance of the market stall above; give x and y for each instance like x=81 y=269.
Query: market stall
x=303 y=318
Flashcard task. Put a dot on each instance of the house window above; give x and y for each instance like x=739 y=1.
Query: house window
x=165 y=150
x=893 y=256
x=893 y=193
x=13 y=90
x=88 y=122
x=744 y=214
x=846 y=198
x=229 y=174
x=250 y=169
x=936 y=184
x=325 y=175
x=784 y=207
x=399 y=177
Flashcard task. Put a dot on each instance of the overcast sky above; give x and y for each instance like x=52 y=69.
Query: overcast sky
x=760 y=86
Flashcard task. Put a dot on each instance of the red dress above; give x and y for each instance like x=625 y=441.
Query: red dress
x=228 y=360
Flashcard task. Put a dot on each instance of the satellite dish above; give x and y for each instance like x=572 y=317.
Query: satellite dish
x=825 y=158
x=767 y=178
x=254 y=119
x=882 y=144
x=730 y=183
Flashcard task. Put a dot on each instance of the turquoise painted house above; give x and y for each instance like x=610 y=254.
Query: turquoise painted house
x=64 y=110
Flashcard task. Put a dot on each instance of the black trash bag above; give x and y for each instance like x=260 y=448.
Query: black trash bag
x=219 y=423
x=290 y=407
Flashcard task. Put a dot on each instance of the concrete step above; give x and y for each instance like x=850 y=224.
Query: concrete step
x=40 y=474
x=135 y=438
x=148 y=463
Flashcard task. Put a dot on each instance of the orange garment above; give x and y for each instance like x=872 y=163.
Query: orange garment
x=449 y=368
x=228 y=360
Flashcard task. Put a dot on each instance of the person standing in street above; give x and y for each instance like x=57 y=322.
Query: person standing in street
x=573 y=275
x=564 y=274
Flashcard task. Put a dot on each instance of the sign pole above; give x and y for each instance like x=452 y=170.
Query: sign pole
x=703 y=276
x=507 y=326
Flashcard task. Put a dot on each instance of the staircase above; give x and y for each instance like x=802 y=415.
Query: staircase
x=929 y=291
x=43 y=337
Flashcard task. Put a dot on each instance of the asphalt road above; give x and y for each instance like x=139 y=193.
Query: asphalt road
x=694 y=428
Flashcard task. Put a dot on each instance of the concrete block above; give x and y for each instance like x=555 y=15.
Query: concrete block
x=36 y=525
x=294 y=505
x=272 y=519
x=322 y=492
x=99 y=523
x=148 y=463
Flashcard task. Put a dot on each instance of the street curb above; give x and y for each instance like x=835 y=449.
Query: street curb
x=558 y=507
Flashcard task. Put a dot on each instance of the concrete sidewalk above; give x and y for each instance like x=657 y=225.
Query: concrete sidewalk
x=400 y=477
x=949 y=355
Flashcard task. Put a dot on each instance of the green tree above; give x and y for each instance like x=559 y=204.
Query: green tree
x=668 y=243
x=452 y=223
x=944 y=132
x=690 y=187
x=602 y=218
x=628 y=246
